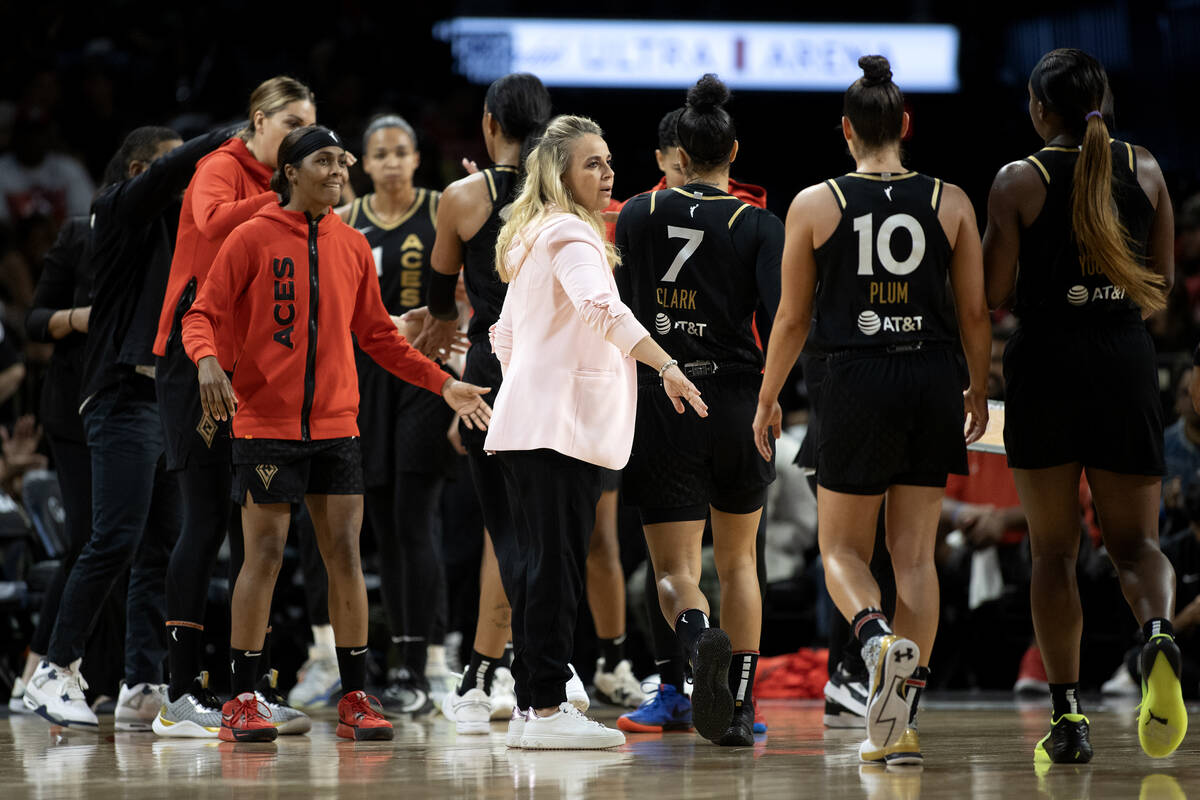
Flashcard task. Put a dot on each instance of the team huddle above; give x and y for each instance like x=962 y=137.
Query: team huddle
x=311 y=362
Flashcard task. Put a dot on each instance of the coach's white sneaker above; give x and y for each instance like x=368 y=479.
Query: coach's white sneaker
x=138 y=705
x=568 y=729
x=516 y=729
x=504 y=693
x=56 y=694
x=16 y=700
x=576 y=692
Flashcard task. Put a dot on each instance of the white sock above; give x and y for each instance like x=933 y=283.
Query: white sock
x=323 y=638
x=435 y=657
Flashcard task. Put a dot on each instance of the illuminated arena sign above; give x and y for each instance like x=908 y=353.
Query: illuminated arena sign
x=664 y=54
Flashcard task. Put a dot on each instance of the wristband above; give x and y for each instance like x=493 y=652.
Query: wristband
x=440 y=300
x=671 y=363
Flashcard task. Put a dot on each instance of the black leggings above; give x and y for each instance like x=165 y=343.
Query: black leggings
x=666 y=643
x=74 y=467
x=402 y=517
x=204 y=490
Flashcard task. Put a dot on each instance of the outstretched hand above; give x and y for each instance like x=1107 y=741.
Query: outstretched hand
x=467 y=400
x=438 y=339
x=679 y=389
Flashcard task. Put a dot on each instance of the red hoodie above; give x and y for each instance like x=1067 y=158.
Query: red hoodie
x=746 y=192
x=230 y=184
x=291 y=292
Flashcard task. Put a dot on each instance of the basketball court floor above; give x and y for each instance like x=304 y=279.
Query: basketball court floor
x=973 y=749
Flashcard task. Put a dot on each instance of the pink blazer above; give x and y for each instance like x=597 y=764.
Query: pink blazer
x=563 y=340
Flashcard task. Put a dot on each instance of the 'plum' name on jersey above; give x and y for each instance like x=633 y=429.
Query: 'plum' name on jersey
x=884 y=292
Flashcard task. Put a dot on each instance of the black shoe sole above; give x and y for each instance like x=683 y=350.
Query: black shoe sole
x=712 y=702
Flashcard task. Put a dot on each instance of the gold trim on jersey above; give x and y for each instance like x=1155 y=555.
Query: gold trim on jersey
x=870 y=177
x=652 y=196
x=937 y=190
x=354 y=207
x=434 y=199
x=379 y=223
x=487 y=173
x=1056 y=149
x=1041 y=168
x=506 y=168
x=693 y=196
x=841 y=198
x=741 y=208
x=1129 y=147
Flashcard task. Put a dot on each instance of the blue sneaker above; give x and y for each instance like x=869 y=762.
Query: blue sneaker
x=666 y=710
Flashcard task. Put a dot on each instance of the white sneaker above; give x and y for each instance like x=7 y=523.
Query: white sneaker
x=568 y=729
x=138 y=705
x=618 y=687
x=504 y=693
x=576 y=693
x=56 y=693
x=471 y=713
x=1121 y=684
x=287 y=720
x=516 y=729
x=441 y=680
x=319 y=684
x=16 y=700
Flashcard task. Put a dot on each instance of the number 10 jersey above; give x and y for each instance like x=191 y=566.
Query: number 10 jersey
x=883 y=276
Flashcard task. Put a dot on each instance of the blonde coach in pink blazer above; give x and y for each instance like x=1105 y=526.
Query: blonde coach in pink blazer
x=567 y=346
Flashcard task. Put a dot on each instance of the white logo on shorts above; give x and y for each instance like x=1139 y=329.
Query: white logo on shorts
x=1077 y=295
x=868 y=322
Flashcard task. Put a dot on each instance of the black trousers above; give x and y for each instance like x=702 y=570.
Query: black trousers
x=553 y=500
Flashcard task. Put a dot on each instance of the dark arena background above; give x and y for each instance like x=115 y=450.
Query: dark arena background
x=78 y=77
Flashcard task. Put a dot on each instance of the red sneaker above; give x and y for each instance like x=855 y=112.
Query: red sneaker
x=243 y=720
x=1031 y=676
x=359 y=720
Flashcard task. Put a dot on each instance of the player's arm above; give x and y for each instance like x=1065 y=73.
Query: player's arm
x=974 y=325
x=458 y=206
x=1160 y=256
x=811 y=208
x=1002 y=240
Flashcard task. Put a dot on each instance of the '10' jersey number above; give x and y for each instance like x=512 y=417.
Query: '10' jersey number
x=883 y=244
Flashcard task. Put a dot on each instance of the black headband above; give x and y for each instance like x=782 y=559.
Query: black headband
x=311 y=142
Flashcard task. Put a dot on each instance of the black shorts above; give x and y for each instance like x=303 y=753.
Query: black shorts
x=402 y=426
x=190 y=435
x=891 y=419
x=681 y=464
x=285 y=470
x=1088 y=395
x=482 y=368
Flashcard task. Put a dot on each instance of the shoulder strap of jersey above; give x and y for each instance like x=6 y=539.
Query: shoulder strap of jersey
x=491 y=182
x=653 y=198
x=737 y=213
x=355 y=207
x=1129 y=152
x=936 y=199
x=1042 y=172
x=434 y=198
x=837 y=193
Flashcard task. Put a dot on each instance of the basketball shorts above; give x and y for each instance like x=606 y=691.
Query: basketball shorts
x=284 y=471
x=482 y=368
x=1087 y=395
x=891 y=419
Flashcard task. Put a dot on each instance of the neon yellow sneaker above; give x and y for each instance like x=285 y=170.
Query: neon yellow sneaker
x=1162 y=716
x=1066 y=743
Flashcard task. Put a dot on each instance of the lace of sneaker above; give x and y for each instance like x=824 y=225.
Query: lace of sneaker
x=73 y=684
x=575 y=713
x=363 y=706
x=246 y=709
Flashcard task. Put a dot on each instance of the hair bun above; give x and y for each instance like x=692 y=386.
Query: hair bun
x=876 y=70
x=708 y=94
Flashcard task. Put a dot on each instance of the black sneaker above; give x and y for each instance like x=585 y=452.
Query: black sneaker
x=712 y=701
x=407 y=694
x=1066 y=743
x=846 y=699
x=741 y=729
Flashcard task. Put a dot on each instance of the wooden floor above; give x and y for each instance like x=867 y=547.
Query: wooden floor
x=972 y=750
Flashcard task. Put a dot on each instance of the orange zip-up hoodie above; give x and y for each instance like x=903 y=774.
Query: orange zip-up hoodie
x=292 y=290
x=229 y=186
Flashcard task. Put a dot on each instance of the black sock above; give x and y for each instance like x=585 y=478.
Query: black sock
x=507 y=659
x=1156 y=627
x=185 y=641
x=742 y=667
x=245 y=664
x=688 y=627
x=671 y=670
x=1064 y=699
x=416 y=655
x=352 y=665
x=612 y=651
x=916 y=685
x=479 y=673
x=869 y=623
x=264 y=666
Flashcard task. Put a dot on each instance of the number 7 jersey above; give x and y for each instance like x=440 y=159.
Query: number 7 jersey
x=883 y=276
x=696 y=264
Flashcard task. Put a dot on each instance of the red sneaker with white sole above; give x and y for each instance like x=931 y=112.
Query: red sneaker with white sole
x=359 y=718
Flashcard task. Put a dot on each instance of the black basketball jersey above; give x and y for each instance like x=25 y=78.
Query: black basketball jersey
x=883 y=276
x=696 y=261
x=401 y=249
x=1052 y=283
x=484 y=288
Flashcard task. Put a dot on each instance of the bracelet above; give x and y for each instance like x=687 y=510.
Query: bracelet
x=670 y=363
x=71 y=320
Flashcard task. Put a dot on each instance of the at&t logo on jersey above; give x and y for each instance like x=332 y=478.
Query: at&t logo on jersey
x=662 y=324
x=871 y=323
x=1078 y=295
